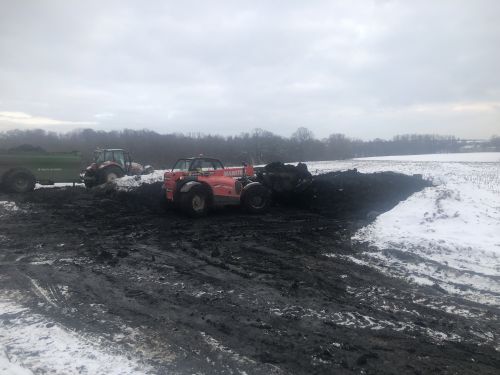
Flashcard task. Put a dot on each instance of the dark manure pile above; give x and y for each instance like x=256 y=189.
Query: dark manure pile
x=343 y=194
x=355 y=194
x=145 y=196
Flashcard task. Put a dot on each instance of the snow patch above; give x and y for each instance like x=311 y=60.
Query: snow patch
x=7 y=206
x=33 y=344
x=11 y=368
x=58 y=185
x=130 y=182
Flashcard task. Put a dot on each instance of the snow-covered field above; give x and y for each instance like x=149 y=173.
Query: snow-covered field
x=446 y=235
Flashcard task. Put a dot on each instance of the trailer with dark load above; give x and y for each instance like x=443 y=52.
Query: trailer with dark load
x=21 y=170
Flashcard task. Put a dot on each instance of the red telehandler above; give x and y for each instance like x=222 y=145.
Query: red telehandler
x=195 y=185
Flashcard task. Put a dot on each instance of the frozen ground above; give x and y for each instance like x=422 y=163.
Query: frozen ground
x=447 y=235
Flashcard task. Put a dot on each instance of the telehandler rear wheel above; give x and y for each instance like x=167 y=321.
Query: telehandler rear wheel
x=256 y=199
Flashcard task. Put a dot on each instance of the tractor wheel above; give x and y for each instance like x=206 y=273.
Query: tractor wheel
x=110 y=174
x=194 y=203
x=89 y=181
x=20 y=181
x=256 y=199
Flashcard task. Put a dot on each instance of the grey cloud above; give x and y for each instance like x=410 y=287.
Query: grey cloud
x=361 y=68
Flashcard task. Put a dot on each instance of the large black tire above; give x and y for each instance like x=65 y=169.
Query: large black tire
x=20 y=181
x=256 y=199
x=89 y=182
x=195 y=202
x=110 y=174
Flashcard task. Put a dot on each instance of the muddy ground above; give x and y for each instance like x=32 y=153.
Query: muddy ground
x=280 y=293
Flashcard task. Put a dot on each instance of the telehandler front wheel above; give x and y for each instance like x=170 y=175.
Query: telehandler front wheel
x=194 y=203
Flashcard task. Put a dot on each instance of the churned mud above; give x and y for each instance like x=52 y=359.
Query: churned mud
x=233 y=293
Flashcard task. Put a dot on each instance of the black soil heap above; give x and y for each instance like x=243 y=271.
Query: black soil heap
x=339 y=194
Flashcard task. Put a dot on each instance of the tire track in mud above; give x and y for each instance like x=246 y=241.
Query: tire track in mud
x=230 y=293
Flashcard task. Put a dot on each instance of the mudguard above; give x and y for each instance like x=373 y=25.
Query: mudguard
x=188 y=186
x=250 y=185
x=107 y=164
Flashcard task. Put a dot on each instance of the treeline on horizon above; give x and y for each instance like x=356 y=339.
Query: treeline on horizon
x=259 y=146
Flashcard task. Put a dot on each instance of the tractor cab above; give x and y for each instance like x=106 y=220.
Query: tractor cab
x=117 y=156
x=197 y=164
x=110 y=164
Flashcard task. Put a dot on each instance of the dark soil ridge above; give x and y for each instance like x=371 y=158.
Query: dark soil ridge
x=234 y=292
x=344 y=194
x=351 y=194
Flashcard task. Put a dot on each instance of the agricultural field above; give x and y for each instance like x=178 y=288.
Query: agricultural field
x=447 y=235
x=106 y=282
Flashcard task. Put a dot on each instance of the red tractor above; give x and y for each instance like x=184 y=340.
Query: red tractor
x=110 y=164
x=198 y=184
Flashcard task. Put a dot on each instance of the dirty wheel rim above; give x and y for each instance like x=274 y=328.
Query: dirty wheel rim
x=111 y=177
x=257 y=201
x=198 y=203
x=21 y=183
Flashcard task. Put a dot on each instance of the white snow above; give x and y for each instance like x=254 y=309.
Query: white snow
x=58 y=185
x=8 y=206
x=29 y=343
x=456 y=157
x=130 y=182
x=11 y=368
x=451 y=230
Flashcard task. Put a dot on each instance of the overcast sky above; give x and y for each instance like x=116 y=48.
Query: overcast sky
x=363 y=68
